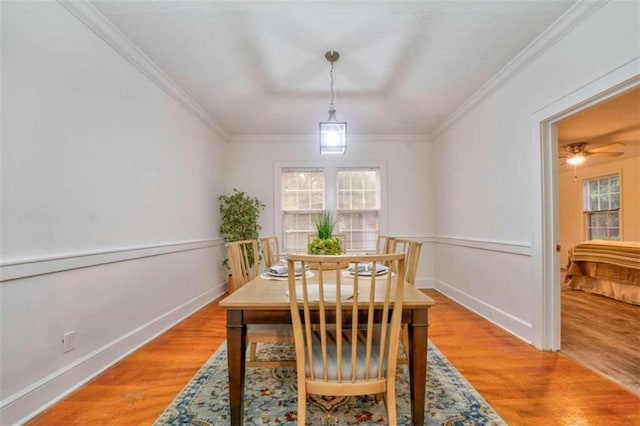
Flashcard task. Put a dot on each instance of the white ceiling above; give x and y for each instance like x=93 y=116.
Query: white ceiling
x=258 y=67
x=615 y=120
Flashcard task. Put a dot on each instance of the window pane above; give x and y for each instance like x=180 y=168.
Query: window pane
x=357 y=200
x=371 y=180
x=615 y=201
x=604 y=202
x=615 y=184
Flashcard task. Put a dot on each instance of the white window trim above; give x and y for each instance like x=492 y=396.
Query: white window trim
x=585 y=225
x=331 y=187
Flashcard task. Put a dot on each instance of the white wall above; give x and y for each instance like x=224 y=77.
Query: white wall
x=409 y=166
x=109 y=206
x=483 y=173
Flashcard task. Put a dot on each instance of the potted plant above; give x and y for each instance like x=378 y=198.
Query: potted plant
x=325 y=242
x=239 y=214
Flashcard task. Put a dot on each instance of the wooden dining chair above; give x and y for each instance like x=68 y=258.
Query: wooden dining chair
x=270 y=250
x=346 y=330
x=243 y=261
x=412 y=250
x=385 y=244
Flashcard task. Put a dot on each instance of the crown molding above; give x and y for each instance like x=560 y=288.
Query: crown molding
x=564 y=25
x=86 y=13
x=306 y=138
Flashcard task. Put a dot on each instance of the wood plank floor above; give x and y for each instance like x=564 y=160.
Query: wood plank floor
x=603 y=334
x=525 y=386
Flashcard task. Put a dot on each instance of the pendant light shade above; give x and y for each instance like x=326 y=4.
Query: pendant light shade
x=333 y=133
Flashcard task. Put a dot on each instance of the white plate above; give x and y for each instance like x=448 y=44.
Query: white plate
x=330 y=292
x=381 y=270
x=268 y=276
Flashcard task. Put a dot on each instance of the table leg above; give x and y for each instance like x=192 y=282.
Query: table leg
x=418 y=363
x=236 y=350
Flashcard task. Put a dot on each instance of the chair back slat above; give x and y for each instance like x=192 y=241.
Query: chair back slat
x=243 y=261
x=412 y=250
x=385 y=244
x=270 y=250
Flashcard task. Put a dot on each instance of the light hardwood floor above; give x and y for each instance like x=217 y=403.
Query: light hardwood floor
x=603 y=334
x=524 y=385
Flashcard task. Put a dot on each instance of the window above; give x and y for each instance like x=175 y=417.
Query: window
x=303 y=195
x=353 y=193
x=358 y=206
x=602 y=208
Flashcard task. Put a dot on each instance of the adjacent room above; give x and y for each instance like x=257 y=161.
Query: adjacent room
x=319 y=212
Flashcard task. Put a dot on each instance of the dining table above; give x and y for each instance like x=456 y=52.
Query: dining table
x=264 y=300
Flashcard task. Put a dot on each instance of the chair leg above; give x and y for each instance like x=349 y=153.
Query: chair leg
x=252 y=351
x=302 y=409
x=405 y=340
x=390 y=404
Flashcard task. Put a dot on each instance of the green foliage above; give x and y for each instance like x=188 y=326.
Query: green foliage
x=325 y=242
x=331 y=245
x=325 y=225
x=239 y=214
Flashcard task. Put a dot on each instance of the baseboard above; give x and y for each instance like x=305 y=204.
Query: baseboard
x=26 y=404
x=425 y=282
x=513 y=325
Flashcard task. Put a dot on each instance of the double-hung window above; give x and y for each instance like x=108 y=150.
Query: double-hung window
x=352 y=193
x=358 y=207
x=302 y=199
x=602 y=208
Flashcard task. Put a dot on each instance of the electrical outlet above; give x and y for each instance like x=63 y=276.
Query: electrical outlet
x=68 y=341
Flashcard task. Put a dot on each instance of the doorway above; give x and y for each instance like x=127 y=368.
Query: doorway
x=598 y=200
x=545 y=236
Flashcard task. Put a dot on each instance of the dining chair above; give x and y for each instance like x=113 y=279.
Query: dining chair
x=346 y=330
x=412 y=250
x=243 y=261
x=385 y=244
x=270 y=250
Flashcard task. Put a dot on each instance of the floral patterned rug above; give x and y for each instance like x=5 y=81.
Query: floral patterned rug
x=271 y=397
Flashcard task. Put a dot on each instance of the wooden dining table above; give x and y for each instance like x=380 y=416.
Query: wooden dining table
x=265 y=301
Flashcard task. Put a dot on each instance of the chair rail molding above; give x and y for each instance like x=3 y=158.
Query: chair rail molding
x=47 y=265
x=511 y=247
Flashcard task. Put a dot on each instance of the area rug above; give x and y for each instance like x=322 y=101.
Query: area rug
x=271 y=397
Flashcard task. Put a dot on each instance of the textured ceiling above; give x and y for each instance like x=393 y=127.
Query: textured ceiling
x=258 y=67
x=614 y=120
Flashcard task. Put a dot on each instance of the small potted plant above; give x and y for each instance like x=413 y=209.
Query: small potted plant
x=325 y=242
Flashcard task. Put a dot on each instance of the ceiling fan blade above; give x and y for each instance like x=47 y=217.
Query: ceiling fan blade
x=604 y=154
x=607 y=147
x=563 y=162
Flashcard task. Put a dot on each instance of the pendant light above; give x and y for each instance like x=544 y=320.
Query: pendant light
x=333 y=133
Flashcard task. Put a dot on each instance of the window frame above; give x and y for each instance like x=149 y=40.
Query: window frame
x=586 y=213
x=330 y=168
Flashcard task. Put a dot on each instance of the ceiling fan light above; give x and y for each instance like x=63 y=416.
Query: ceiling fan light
x=576 y=159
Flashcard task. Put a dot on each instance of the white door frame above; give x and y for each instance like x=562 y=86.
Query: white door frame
x=544 y=145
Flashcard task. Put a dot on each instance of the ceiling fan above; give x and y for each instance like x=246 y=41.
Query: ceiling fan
x=576 y=153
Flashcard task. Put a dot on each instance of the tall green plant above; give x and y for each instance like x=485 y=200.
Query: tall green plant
x=325 y=242
x=239 y=214
x=325 y=225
